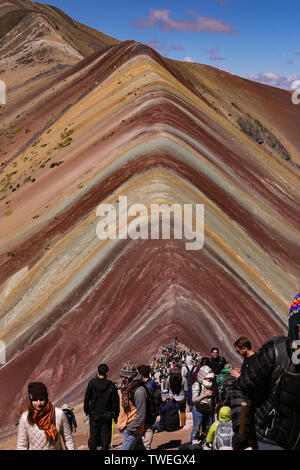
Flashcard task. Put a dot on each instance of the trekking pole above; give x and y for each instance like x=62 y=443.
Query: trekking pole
x=242 y=418
x=112 y=432
x=201 y=432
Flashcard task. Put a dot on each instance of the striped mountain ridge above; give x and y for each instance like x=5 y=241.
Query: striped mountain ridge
x=124 y=121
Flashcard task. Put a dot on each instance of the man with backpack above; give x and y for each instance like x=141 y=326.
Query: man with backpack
x=220 y=433
x=271 y=388
x=101 y=404
x=153 y=398
x=136 y=408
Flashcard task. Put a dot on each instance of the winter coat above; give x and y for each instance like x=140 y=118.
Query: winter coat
x=198 y=391
x=271 y=389
x=217 y=364
x=31 y=437
x=101 y=400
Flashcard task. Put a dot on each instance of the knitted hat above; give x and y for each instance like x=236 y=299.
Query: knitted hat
x=294 y=317
x=128 y=370
x=165 y=393
x=37 y=391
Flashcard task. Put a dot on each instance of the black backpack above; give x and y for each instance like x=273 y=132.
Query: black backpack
x=189 y=374
x=226 y=388
x=171 y=421
x=151 y=412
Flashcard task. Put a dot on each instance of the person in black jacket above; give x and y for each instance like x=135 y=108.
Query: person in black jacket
x=271 y=388
x=101 y=404
x=216 y=362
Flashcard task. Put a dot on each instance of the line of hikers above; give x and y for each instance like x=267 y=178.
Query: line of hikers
x=255 y=407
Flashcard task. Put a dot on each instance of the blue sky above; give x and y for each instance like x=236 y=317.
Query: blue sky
x=259 y=39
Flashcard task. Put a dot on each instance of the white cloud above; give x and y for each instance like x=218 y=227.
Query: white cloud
x=188 y=59
x=162 y=20
x=273 y=79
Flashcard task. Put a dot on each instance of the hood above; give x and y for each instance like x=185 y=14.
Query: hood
x=103 y=384
x=203 y=373
x=189 y=361
x=225 y=414
x=138 y=379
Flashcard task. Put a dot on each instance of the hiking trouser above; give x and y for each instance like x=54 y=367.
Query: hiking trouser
x=100 y=434
x=182 y=407
x=201 y=419
x=132 y=441
x=147 y=437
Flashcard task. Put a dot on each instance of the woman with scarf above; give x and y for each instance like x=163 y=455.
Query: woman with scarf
x=42 y=425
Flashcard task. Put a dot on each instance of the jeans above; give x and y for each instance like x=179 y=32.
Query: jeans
x=132 y=441
x=199 y=419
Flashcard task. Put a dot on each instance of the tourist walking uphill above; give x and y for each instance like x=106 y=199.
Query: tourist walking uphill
x=101 y=404
x=153 y=392
x=43 y=425
x=271 y=389
x=133 y=408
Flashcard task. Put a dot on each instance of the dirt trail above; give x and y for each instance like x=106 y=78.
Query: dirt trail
x=161 y=441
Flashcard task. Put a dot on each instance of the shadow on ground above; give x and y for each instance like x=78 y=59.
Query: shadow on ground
x=173 y=444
